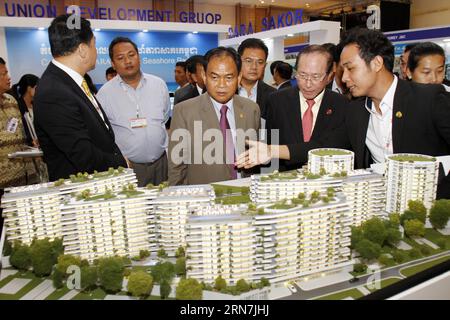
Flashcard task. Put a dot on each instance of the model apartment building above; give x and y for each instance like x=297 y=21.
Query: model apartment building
x=295 y=225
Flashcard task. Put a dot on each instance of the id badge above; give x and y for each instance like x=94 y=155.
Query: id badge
x=12 y=125
x=138 y=123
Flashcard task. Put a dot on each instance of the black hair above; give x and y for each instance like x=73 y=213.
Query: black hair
x=118 y=40
x=27 y=80
x=408 y=47
x=273 y=65
x=64 y=40
x=191 y=63
x=284 y=69
x=316 y=48
x=253 y=43
x=90 y=84
x=422 y=50
x=2 y=61
x=371 y=43
x=181 y=64
x=223 y=51
x=110 y=70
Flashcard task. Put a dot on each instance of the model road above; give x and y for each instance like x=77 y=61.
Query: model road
x=389 y=273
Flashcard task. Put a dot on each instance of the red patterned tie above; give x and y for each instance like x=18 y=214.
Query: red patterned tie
x=228 y=140
x=307 y=121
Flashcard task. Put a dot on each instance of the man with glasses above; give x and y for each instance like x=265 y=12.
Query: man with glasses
x=306 y=116
x=254 y=55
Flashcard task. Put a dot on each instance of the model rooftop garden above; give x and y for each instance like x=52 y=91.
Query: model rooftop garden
x=411 y=158
x=292 y=175
x=84 y=177
x=230 y=195
x=330 y=152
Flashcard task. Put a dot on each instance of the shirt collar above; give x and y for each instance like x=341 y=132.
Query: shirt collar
x=317 y=99
x=252 y=91
x=78 y=78
x=218 y=105
x=278 y=87
x=387 y=103
x=199 y=89
x=142 y=81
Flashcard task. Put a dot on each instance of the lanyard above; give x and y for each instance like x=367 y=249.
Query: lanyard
x=132 y=99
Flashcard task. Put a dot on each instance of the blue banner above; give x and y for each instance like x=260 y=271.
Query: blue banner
x=418 y=34
x=29 y=51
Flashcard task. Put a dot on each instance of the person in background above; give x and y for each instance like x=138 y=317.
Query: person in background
x=137 y=105
x=282 y=75
x=426 y=64
x=254 y=55
x=24 y=92
x=110 y=73
x=180 y=74
x=272 y=71
x=73 y=131
x=13 y=172
x=195 y=69
x=404 y=61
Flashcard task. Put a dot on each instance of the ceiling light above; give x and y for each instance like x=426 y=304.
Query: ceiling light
x=290 y=35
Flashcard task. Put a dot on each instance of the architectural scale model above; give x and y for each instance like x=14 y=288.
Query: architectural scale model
x=293 y=224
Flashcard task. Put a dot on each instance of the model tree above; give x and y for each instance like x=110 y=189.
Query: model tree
x=140 y=284
x=180 y=252
x=42 y=257
x=163 y=271
x=66 y=260
x=110 y=273
x=20 y=257
x=89 y=278
x=375 y=231
x=242 y=285
x=180 y=266
x=368 y=249
x=189 y=289
x=440 y=214
x=414 y=228
x=164 y=289
x=220 y=284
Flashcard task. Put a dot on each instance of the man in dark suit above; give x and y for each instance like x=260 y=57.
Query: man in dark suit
x=73 y=131
x=394 y=116
x=195 y=67
x=254 y=55
x=282 y=75
x=308 y=114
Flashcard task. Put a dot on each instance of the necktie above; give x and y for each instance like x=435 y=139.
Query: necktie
x=228 y=140
x=307 y=121
x=91 y=97
x=86 y=89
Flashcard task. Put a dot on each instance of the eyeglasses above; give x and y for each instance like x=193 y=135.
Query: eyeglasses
x=312 y=77
x=250 y=61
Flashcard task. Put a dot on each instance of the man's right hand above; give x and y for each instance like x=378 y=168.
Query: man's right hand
x=257 y=154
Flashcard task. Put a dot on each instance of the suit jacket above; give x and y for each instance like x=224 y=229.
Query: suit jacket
x=420 y=122
x=182 y=170
x=185 y=93
x=262 y=96
x=284 y=114
x=71 y=133
x=285 y=85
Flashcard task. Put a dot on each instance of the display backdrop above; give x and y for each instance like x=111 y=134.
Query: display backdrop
x=29 y=51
